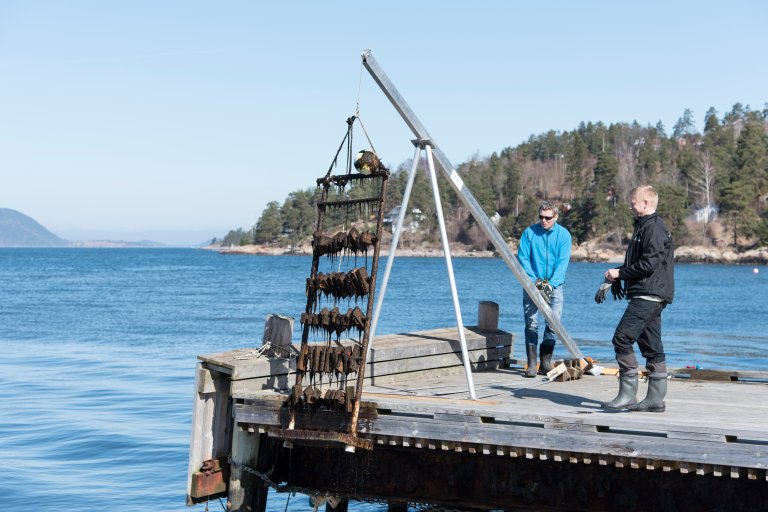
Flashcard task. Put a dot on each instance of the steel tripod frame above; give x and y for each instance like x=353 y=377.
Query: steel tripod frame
x=466 y=196
x=425 y=145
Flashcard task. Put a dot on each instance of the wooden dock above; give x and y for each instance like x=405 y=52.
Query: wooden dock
x=523 y=444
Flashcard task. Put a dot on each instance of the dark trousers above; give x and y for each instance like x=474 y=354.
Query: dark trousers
x=642 y=323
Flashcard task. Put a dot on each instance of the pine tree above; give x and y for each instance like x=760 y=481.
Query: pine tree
x=740 y=199
x=685 y=125
x=610 y=215
x=710 y=120
x=270 y=225
x=577 y=172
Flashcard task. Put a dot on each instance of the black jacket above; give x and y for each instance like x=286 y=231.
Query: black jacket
x=649 y=267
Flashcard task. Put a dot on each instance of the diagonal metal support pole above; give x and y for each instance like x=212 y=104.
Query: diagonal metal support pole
x=466 y=196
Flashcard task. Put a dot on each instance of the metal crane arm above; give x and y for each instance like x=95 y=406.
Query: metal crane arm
x=390 y=91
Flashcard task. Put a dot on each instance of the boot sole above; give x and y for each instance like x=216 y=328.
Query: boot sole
x=661 y=408
x=618 y=407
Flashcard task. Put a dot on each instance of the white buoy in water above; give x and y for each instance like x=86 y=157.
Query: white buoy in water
x=755 y=270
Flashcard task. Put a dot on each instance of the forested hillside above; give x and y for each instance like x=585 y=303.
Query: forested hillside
x=713 y=185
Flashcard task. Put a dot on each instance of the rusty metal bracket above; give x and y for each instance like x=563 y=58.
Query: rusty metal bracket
x=211 y=480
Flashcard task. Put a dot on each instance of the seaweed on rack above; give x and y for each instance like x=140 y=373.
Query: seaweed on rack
x=338 y=285
x=357 y=320
x=331 y=322
x=347 y=243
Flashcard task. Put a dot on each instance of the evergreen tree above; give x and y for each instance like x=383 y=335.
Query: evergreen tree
x=579 y=219
x=513 y=226
x=236 y=237
x=610 y=218
x=577 y=172
x=479 y=182
x=720 y=142
x=498 y=180
x=512 y=168
x=672 y=208
x=710 y=120
x=751 y=157
x=685 y=125
x=606 y=170
x=687 y=164
x=736 y=113
x=270 y=225
x=299 y=215
x=741 y=195
x=594 y=136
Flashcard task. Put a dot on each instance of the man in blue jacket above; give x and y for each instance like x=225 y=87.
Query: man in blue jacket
x=648 y=277
x=544 y=253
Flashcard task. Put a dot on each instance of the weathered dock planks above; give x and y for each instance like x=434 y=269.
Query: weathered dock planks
x=415 y=409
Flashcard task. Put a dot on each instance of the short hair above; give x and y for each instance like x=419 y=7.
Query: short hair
x=546 y=205
x=646 y=192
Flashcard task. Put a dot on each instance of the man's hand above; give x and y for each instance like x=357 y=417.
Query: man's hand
x=612 y=274
x=614 y=286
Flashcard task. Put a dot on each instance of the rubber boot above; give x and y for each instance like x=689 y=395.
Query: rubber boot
x=530 y=351
x=545 y=358
x=654 y=400
x=627 y=396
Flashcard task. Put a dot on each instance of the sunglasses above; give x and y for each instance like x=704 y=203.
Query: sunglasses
x=544 y=217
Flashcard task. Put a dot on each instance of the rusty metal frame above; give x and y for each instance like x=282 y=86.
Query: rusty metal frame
x=349 y=439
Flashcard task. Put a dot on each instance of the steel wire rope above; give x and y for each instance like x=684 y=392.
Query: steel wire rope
x=343 y=140
x=357 y=108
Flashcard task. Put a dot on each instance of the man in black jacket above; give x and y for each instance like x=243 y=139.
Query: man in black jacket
x=648 y=277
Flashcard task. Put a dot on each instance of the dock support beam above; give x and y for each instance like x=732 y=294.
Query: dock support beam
x=247 y=491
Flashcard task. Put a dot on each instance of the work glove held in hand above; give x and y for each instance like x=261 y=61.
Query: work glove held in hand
x=545 y=289
x=603 y=290
x=617 y=290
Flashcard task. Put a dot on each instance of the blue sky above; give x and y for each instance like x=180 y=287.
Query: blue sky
x=179 y=120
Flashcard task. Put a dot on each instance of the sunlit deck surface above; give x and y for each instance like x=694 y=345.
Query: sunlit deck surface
x=714 y=428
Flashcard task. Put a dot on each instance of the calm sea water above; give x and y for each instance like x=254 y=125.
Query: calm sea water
x=99 y=349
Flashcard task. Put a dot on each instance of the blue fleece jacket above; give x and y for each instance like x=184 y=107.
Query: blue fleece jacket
x=544 y=254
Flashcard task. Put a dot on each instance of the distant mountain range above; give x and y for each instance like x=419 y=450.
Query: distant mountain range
x=19 y=230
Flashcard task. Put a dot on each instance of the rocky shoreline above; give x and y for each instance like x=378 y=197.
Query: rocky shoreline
x=585 y=252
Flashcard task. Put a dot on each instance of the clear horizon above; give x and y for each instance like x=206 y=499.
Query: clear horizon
x=175 y=119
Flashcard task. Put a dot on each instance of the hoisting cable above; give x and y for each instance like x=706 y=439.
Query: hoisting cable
x=366 y=134
x=349 y=148
x=357 y=107
x=346 y=135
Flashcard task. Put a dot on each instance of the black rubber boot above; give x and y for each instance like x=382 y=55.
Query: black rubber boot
x=627 y=396
x=530 y=351
x=545 y=358
x=654 y=400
